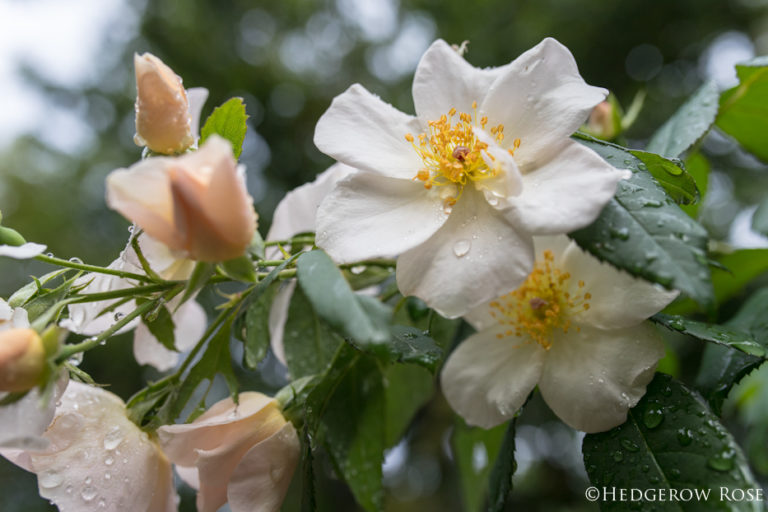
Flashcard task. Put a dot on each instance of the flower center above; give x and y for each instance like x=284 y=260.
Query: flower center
x=453 y=155
x=541 y=305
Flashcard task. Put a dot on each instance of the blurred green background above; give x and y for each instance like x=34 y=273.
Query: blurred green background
x=288 y=59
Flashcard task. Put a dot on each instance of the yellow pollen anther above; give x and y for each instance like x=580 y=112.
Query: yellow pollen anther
x=542 y=305
x=452 y=154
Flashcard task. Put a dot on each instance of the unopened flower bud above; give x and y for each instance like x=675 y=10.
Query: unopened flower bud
x=163 y=121
x=196 y=203
x=604 y=121
x=22 y=359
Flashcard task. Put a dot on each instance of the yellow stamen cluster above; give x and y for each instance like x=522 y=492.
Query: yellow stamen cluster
x=541 y=305
x=452 y=154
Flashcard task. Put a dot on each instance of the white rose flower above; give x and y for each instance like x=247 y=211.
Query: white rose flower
x=576 y=328
x=460 y=189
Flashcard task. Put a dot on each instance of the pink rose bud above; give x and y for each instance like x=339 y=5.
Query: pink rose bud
x=603 y=122
x=196 y=203
x=22 y=359
x=163 y=121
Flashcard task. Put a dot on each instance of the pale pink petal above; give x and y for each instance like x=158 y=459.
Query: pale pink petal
x=362 y=131
x=22 y=423
x=591 y=377
x=444 y=80
x=189 y=325
x=540 y=99
x=22 y=252
x=565 y=193
x=368 y=216
x=474 y=258
x=6 y=312
x=261 y=479
x=487 y=378
x=142 y=194
x=617 y=298
x=217 y=425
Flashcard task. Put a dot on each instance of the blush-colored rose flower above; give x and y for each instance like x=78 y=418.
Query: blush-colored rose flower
x=167 y=115
x=196 y=203
x=97 y=459
x=244 y=455
x=459 y=190
x=576 y=328
x=89 y=318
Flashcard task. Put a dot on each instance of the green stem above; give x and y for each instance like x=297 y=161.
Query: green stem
x=91 y=268
x=298 y=240
x=381 y=262
x=125 y=292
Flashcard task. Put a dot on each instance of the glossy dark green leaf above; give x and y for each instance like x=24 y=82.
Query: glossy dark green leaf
x=408 y=388
x=670 y=441
x=309 y=342
x=671 y=175
x=161 y=325
x=256 y=326
x=352 y=425
x=412 y=345
x=334 y=301
x=760 y=218
x=642 y=231
x=689 y=124
x=743 y=115
x=229 y=121
x=719 y=334
x=500 y=484
x=475 y=450
x=722 y=368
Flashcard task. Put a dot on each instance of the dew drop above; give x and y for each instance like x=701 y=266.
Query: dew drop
x=723 y=461
x=629 y=445
x=684 y=436
x=69 y=489
x=88 y=492
x=653 y=417
x=50 y=479
x=674 y=473
x=357 y=269
x=109 y=460
x=113 y=438
x=76 y=260
x=107 y=476
x=88 y=480
x=461 y=248
x=102 y=503
x=618 y=456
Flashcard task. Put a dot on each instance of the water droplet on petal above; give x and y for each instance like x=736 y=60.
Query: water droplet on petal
x=88 y=492
x=113 y=438
x=50 y=478
x=461 y=248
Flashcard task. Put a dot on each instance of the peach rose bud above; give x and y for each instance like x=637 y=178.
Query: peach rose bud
x=163 y=121
x=196 y=203
x=22 y=359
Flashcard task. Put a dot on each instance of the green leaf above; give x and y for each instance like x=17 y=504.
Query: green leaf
x=698 y=168
x=412 y=345
x=670 y=440
x=721 y=368
x=199 y=277
x=475 y=450
x=408 y=388
x=760 y=218
x=717 y=334
x=352 y=427
x=29 y=290
x=334 y=301
x=239 y=269
x=743 y=112
x=689 y=124
x=310 y=343
x=671 y=175
x=228 y=121
x=160 y=324
x=643 y=232
x=257 y=328
x=503 y=470
x=257 y=247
